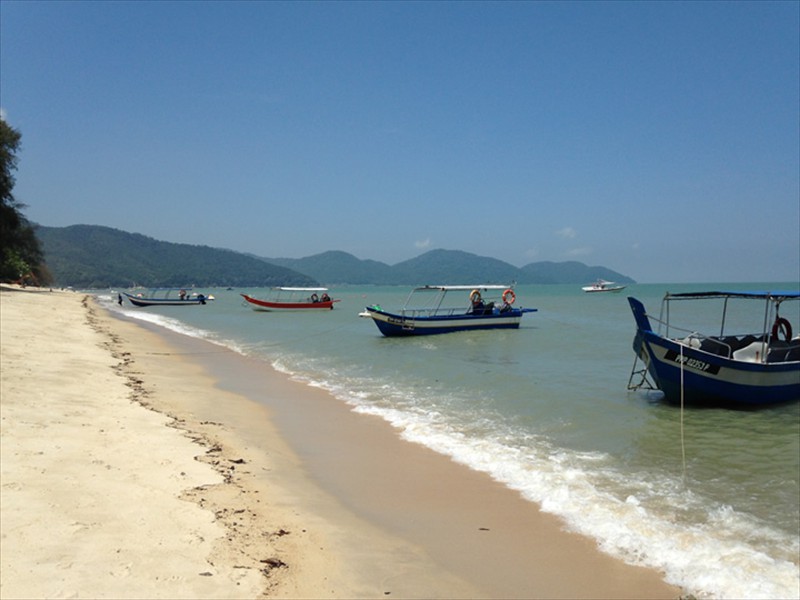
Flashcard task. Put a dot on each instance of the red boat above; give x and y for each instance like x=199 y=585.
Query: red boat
x=293 y=298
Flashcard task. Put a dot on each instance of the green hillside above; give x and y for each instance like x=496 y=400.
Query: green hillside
x=88 y=256
x=336 y=266
x=449 y=267
x=569 y=272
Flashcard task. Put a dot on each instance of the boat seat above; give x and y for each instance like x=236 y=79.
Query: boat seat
x=691 y=341
x=784 y=351
x=713 y=346
x=486 y=309
x=723 y=346
x=739 y=343
x=751 y=353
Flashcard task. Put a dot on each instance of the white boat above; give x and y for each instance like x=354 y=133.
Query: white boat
x=601 y=285
x=168 y=297
x=433 y=309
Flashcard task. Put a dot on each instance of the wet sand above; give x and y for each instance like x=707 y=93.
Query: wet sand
x=137 y=462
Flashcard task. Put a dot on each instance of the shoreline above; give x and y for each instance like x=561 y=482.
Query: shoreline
x=305 y=512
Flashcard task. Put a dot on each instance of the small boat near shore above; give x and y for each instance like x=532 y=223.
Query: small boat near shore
x=434 y=309
x=168 y=297
x=293 y=298
x=737 y=370
x=601 y=285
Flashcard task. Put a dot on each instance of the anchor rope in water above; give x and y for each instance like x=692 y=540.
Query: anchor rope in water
x=683 y=446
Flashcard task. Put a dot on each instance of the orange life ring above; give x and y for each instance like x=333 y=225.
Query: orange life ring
x=475 y=296
x=782 y=325
x=509 y=293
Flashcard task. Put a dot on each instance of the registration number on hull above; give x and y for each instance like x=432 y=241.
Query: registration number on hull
x=691 y=363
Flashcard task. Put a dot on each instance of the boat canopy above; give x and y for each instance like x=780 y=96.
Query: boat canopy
x=777 y=295
x=300 y=289
x=461 y=288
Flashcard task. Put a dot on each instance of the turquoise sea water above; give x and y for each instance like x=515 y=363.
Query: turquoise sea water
x=711 y=497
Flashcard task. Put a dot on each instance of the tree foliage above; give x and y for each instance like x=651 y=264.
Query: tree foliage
x=21 y=257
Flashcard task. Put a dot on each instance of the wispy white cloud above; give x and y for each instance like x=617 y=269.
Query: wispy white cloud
x=422 y=244
x=567 y=232
x=3 y=114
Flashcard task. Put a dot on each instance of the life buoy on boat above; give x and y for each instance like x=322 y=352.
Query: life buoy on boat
x=475 y=296
x=782 y=326
x=509 y=296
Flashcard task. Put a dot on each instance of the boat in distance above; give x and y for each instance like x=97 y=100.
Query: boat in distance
x=601 y=285
x=434 y=309
x=164 y=297
x=741 y=370
x=293 y=298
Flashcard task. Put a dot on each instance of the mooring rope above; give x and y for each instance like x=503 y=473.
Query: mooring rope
x=683 y=446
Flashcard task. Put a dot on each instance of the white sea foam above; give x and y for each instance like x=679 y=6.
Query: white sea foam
x=172 y=325
x=632 y=526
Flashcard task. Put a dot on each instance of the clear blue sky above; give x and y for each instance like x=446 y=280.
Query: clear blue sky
x=659 y=139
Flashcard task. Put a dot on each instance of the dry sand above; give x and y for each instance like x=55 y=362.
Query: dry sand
x=140 y=464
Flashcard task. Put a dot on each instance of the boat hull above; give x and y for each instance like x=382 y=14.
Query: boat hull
x=594 y=290
x=268 y=305
x=143 y=302
x=704 y=378
x=393 y=325
x=689 y=375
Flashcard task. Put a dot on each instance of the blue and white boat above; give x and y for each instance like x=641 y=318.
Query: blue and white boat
x=434 y=309
x=738 y=370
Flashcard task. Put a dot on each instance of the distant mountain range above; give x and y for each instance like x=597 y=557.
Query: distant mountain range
x=91 y=256
x=442 y=267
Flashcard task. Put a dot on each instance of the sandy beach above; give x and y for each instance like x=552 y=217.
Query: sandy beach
x=138 y=463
